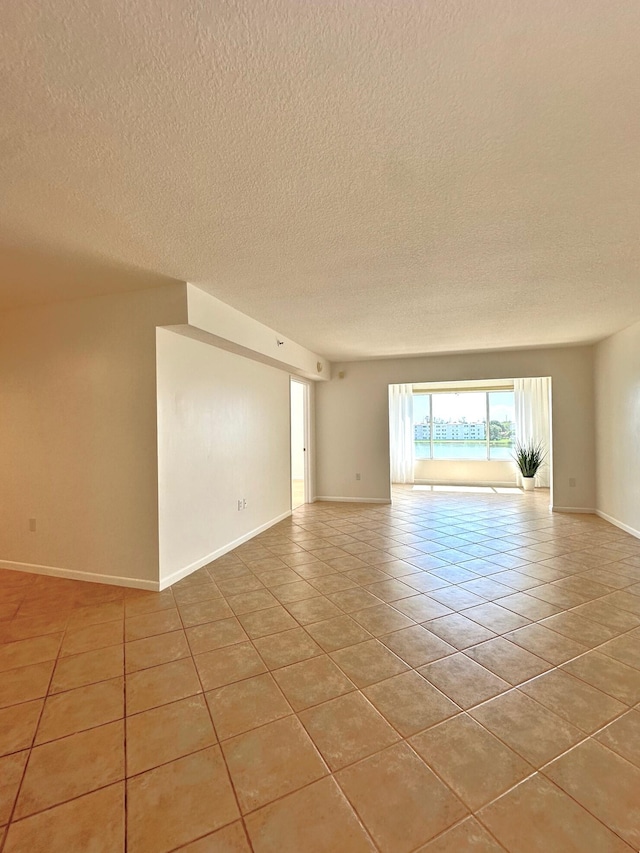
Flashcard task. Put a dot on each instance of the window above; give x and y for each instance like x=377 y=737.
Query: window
x=464 y=425
x=502 y=427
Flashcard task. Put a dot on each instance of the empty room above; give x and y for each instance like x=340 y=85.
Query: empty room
x=319 y=427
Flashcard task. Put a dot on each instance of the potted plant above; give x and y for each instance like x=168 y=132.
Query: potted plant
x=529 y=457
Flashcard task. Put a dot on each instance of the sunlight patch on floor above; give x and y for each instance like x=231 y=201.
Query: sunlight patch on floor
x=479 y=490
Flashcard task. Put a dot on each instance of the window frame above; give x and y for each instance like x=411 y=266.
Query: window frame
x=486 y=392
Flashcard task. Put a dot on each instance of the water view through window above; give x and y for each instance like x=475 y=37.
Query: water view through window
x=465 y=425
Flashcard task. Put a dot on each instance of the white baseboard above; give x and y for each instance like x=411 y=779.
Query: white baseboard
x=354 y=500
x=73 y=574
x=582 y=509
x=174 y=577
x=616 y=523
x=502 y=484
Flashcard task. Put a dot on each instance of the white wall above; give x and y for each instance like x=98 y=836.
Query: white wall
x=617 y=372
x=223 y=435
x=78 y=434
x=352 y=421
x=239 y=333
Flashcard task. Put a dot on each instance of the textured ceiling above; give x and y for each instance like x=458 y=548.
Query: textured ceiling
x=369 y=178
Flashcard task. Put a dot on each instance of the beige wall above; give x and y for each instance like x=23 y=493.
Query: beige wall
x=223 y=435
x=466 y=471
x=353 y=430
x=617 y=372
x=78 y=434
x=132 y=460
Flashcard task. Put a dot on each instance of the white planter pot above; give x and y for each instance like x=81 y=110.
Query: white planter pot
x=527 y=484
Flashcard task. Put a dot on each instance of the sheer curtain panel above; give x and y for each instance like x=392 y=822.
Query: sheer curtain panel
x=532 y=402
x=401 y=433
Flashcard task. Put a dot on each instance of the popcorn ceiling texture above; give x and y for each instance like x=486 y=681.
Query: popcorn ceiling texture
x=369 y=178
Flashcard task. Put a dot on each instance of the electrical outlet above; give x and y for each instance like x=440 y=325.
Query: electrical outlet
x=358 y=476
x=244 y=503
x=572 y=481
x=240 y=505
x=32 y=525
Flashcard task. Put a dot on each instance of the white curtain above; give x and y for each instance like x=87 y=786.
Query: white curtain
x=532 y=401
x=401 y=433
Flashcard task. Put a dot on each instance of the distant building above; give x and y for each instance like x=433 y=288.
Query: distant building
x=455 y=431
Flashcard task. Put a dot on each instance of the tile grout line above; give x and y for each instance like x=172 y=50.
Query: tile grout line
x=378 y=638
x=222 y=755
x=10 y=821
x=405 y=740
x=563 y=792
x=331 y=773
x=125 y=727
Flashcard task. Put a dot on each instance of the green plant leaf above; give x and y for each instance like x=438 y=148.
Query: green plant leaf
x=529 y=457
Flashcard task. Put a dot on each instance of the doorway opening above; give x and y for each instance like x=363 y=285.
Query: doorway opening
x=299 y=443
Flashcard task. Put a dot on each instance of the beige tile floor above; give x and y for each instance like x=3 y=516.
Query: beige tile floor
x=455 y=672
